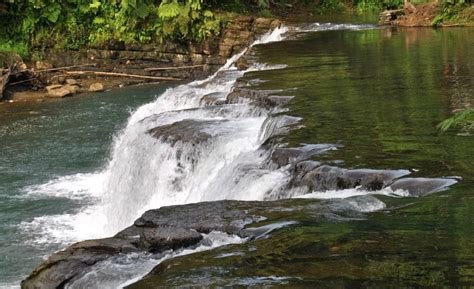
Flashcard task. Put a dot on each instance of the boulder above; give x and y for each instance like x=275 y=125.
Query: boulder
x=317 y=177
x=260 y=97
x=322 y=178
x=96 y=87
x=368 y=179
x=72 y=88
x=52 y=87
x=59 y=92
x=72 y=81
x=189 y=131
x=165 y=237
x=215 y=98
x=284 y=156
x=418 y=187
x=76 y=259
x=156 y=231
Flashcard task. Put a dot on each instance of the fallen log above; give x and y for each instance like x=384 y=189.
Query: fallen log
x=65 y=67
x=32 y=71
x=173 y=67
x=115 y=74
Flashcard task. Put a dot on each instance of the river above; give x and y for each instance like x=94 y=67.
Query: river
x=71 y=169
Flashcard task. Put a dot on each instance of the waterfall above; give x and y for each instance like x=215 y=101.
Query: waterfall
x=145 y=171
x=177 y=149
x=148 y=172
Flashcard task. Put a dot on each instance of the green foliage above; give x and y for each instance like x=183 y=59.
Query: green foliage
x=363 y=6
x=330 y=6
x=72 y=24
x=463 y=118
x=450 y=11
x=10 y=46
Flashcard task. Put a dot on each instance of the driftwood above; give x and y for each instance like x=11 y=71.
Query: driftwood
x=65 y=67
x=4 y=78
x=173 y=68
x=115 y=74
x=32 y=72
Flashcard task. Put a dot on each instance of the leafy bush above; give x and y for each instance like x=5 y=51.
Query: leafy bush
x=463 y=119
x=450 y=11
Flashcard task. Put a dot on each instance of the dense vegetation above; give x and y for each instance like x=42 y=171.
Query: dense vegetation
x=73 y=24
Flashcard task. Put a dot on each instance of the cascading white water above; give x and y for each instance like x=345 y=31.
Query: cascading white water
x=145 y=172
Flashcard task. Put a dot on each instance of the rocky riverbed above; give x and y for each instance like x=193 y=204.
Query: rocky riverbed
x=64 y=73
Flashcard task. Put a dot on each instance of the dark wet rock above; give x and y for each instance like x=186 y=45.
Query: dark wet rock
x=187 y=131
x=322 y=178
x=301 y=169
x=314 y=176
x=65 y=265
x=419 y=187
x=202 y=217
x=368 y=179
x=156 y=231
x=215 y=98
x=284 y=156
x=164 y=238
x=278 y=125
x=265 y=98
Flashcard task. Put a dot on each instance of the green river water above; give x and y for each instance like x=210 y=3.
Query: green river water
x=377 y=93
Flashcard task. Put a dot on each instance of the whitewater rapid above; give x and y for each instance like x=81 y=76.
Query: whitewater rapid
x=145 y=172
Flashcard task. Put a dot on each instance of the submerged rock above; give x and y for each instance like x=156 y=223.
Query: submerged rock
x=419 y=187
x=368 y=179
x=284 y=156
x=313 y=176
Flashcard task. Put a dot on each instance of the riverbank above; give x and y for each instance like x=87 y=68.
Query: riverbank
x=431 y=14
x=64 y=73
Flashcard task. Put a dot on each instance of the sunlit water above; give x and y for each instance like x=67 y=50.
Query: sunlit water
x=79 y=169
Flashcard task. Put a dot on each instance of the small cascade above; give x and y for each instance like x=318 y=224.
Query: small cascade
x=202 y=141
x=146 y=170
